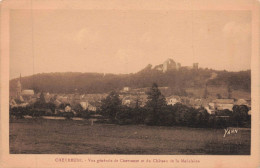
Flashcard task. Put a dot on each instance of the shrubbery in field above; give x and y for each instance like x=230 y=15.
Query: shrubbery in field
x=67 y=115
x=83 y=114
x=20 y=112
x=240 y=116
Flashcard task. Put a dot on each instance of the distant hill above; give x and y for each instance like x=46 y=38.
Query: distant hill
x=181 y=78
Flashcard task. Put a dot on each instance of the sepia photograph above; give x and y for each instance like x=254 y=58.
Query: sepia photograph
x=130 y=82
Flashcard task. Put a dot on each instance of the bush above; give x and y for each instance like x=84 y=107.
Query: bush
x=149 y=120
x=35 y=113
x=124 y=116
x=20 y=112
x=240 y=115
x=225 y=112
x=183 y=114
x=167 y=117
x=111 y=105
x=84 y=114
x=221 y=122
x=138 y=115
x=68 y=115
x=202 y=118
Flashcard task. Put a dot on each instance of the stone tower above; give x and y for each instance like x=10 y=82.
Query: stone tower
x=169 y=64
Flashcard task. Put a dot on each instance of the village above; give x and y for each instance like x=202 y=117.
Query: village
x=129 y=97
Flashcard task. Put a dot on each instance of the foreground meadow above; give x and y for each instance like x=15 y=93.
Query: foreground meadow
x=40 y=136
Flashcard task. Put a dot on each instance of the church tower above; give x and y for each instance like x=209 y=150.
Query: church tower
x=19 y=88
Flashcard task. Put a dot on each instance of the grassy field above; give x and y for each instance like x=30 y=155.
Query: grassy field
x=33 y=136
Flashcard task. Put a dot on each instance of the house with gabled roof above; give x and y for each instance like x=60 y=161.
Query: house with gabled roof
x=173 y=100
x=222 y=104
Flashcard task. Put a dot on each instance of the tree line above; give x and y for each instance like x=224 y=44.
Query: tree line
x=72 y=82
x=156 y=112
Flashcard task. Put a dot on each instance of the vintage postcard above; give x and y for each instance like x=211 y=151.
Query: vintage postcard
x=112 y=83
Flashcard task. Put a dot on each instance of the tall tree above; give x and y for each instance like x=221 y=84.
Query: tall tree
x=111 y=105
x=137 y=102
x=42 y=98
x=156 y=102
x=40 y=103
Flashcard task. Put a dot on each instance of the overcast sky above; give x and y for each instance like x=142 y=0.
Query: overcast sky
x=118 y=41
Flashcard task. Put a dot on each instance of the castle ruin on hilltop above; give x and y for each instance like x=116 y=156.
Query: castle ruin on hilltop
x=170 y=64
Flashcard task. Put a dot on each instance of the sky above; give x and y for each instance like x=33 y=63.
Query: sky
x=125 y=41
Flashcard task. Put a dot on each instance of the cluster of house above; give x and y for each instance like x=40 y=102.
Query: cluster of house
x=23 y=98
x=87 y=101
x=211 y=105
x=130 y=97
